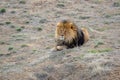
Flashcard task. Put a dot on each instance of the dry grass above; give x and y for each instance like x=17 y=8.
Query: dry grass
x=27 y=36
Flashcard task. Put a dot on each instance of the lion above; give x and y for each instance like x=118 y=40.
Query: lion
x=68 y=35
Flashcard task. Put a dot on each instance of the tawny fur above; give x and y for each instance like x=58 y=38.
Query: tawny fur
x=67 y=35
x=86 y=34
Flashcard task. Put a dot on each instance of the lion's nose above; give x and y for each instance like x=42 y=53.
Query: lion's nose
x=62 y=35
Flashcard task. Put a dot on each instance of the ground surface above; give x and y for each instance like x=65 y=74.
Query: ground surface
x=27 y=35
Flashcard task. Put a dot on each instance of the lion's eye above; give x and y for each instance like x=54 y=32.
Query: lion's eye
x=71 y=27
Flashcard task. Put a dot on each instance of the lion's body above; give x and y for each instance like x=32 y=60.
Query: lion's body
x=67 y=35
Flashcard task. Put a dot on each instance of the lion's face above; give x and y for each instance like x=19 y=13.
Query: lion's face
x=66 y=31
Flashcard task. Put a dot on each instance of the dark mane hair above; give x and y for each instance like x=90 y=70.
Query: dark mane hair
x=78 y=41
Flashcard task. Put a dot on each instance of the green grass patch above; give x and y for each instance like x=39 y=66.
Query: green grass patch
x=27 y=22
x=24 y=45
x=2 y=42
x=39 y=29
x=22 y=2
x=10 y=48
x=84 y=17
x=102 y=29
x=34 y=51
x=18 y=29
x=12 y=26
x=116 y=4
x=98 y=1
x=19 y=37
x=79 y=57
x=1 y=23
x=61 y=5
x=107 y=16
x=22 y=27
x=95 y=51
x=98 y=42
x=2 y=10
x=7 y=23
x=50 y=35
x=48 y=47
x=107 y=22
x=42 y=21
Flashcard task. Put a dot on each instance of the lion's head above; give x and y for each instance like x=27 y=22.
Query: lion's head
x=66 y=31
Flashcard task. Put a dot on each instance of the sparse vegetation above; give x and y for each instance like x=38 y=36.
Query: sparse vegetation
x=24 y=11
x=96 y=51
x=107 y=16
x=27 y=22
x=22 y=2
x=12 y=26
x=116 y=4
x=19 y=29
x=79 y=57
x=102 y=28
x=61 y=5
x=13 y=12
x=7 y=23
x=107 y=22
x=3 y=10
x=97 y=43
x=10 y=48
x=27 y=29
x=19 y=37
x=42 y=21
x=97 y=1
x=34 y=50
x=2 y=42
x=50 y=35
x=22 y=27
x=24 y=45
x=48 y=47
x=1 y=23
x=84 y=17
x=39 y=28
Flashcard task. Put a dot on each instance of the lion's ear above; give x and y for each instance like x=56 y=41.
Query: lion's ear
x=71 y=24
x=58 y=24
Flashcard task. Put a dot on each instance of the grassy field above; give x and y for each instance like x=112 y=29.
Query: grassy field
x=27 y=37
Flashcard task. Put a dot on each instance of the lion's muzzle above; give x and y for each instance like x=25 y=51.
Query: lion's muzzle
x=62 y=38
